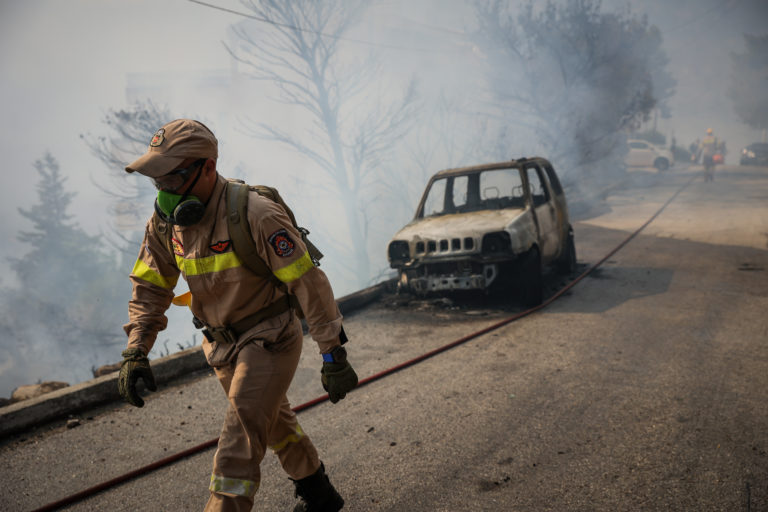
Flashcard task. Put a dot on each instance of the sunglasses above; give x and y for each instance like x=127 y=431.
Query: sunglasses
x=175 y=179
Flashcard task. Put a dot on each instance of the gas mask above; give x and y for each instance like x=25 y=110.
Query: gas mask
x=181 y=210
x=178 y=209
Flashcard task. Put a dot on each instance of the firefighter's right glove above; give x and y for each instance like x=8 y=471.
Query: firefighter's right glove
x=135 y=366
x=337 y=375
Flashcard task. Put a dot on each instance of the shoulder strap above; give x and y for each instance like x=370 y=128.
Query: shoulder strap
x=242 y=238
x=274 y=195
x=240 y=231
x=164 y=230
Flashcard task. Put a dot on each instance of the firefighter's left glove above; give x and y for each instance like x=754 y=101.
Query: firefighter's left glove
x=338 y=377
x=135 y=366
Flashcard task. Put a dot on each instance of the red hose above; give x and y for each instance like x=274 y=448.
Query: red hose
x=74 y=498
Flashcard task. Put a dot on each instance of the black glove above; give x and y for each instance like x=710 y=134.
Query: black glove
x=338 y=377
x=135 y=366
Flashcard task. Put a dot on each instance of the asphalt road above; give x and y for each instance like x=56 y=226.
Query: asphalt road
x=643 y=388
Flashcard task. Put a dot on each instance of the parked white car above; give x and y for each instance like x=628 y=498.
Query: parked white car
x=644 y=154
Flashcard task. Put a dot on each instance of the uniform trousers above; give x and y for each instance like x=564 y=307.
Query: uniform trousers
x=259 y=416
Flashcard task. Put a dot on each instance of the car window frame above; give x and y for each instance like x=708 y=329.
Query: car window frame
x=554 y=180
x=547 y=175
x=542 y=179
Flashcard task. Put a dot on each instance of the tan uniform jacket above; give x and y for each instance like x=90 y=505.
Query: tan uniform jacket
x=708 y=146
x=223 y=289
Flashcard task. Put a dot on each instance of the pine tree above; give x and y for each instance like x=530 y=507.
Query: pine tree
x=65 y=314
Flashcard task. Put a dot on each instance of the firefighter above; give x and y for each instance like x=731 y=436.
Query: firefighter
x=706 y=150
x=253 y=335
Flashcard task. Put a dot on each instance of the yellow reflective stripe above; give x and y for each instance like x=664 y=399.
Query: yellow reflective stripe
x=143 y=272
x=295 y=270
x=209 y=264
x=236 y=486
x=290 y=438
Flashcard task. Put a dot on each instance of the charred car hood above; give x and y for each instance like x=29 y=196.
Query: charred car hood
x=459 y=225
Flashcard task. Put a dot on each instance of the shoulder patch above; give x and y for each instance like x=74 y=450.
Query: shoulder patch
x=178 y=249
x=282 y=244
x=222 y=246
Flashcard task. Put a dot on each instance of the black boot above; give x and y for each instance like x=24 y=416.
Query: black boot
x=317 y=493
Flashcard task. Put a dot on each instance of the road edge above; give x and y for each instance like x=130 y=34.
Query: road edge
x=17 y=417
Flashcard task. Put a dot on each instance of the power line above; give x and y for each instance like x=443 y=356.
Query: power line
x=310 y=31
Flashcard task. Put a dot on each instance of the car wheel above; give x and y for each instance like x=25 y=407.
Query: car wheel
x=661 y=164
x=530 y=279
x=566 y=263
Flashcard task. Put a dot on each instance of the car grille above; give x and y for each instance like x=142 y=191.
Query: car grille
x=445 y=245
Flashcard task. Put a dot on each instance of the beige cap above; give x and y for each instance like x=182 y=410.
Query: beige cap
x=174 y=143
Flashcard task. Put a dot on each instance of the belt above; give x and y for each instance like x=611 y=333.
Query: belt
x=230 y=333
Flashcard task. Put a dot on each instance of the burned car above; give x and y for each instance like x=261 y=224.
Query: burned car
x=487 y=227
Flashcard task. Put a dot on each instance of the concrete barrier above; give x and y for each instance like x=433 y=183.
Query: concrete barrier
x=58 y=404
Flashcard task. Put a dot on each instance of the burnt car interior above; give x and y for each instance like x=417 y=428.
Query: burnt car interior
x=486 y=190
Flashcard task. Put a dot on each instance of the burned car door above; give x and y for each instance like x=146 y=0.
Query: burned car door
x=561 y=207
x=545 y=213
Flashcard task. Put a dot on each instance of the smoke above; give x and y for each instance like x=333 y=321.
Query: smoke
x=65 y=64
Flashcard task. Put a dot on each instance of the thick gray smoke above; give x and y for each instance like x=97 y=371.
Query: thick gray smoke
x=412 y=88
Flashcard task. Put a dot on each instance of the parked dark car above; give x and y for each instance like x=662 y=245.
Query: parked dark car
x=755 y=154
x=494 y=225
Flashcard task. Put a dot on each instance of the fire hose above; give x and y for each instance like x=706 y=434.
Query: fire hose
x=79 y=496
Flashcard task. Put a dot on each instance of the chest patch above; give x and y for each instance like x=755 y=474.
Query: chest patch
x=178 y=249
x=222 y=246
x=282 y=244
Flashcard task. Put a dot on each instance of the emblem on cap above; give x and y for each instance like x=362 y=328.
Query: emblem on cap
x=158 y=138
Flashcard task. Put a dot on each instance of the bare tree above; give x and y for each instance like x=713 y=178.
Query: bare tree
x=573 y=76
x=348 y=137
x=128 y=134
x=449 y=134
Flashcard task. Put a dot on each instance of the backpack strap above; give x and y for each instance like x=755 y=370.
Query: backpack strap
x=240 y=231
x=242 y=238
x=163 y=229
x=274 y=195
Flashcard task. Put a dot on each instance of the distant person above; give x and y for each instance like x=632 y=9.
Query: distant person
x=706 y=151
x=253 y=337
x=694 y=149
